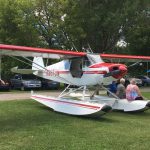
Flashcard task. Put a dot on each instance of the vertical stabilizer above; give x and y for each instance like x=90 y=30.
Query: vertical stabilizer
x=38 y=63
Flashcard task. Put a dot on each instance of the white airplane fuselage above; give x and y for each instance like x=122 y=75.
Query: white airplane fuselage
x=81 y=74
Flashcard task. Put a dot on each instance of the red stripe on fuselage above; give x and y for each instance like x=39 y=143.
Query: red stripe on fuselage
x=84 y=72
x=94 y=72
x=104 y=65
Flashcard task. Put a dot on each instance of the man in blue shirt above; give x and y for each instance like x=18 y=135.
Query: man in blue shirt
x=112 y=88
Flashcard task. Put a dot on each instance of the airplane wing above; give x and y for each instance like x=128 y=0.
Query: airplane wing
x=13 y=50
x=123 y=58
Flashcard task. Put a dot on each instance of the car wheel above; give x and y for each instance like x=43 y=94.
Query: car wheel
x=12 y=87
x=143 y=84
x=22 y=88
x=147 y=84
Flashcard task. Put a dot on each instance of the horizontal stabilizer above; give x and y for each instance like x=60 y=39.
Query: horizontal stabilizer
x=22 y=71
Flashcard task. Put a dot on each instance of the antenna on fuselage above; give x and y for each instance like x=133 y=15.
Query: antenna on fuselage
x=87 y=49
x=91 y=51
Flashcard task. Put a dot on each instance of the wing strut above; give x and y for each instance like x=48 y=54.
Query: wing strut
x=71 y=90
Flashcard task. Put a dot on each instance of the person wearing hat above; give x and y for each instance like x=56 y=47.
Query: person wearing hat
x=121 y=92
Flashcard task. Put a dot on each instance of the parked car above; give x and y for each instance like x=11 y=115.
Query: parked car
x=49 y=84
x=4 y=85
x=23 y=82
x=71 y=86
x=145 y=80
x=138 y=81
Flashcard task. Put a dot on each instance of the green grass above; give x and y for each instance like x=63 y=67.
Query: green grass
x=146 y=95
x=28 y=125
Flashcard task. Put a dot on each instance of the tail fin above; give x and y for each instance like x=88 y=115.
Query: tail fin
x=38 y=63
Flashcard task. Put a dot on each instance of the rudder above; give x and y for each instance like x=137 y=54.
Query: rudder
x=38 y=63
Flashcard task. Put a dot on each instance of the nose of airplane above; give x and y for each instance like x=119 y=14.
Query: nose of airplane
x=123 y=69
x=118 y=70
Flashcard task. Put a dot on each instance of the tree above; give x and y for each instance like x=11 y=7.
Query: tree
x=46 y=16
x=138 y=34
x=101 y=23
x=15 y=27
x=95 y=22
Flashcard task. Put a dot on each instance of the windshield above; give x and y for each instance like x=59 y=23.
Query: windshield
x=25 y=77
x=146 y=77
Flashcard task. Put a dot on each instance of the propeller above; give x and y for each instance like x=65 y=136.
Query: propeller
x=135 y=64
x=112 y=73
x=117 y=71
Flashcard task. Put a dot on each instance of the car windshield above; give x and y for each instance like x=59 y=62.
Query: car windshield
x=146 y=77
x=26 y=77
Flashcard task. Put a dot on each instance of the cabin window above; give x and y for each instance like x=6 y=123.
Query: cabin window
x=66 y=65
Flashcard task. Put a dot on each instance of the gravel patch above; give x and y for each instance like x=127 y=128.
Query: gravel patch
x=26 y=95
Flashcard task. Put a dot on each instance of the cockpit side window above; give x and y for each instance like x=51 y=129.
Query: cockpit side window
x=66 y=65
x=86 y=62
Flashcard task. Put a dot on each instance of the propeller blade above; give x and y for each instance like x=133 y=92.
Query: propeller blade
x=115 y=72
x=135 y=64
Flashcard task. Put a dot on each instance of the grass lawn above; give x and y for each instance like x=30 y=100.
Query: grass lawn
x=28 y=125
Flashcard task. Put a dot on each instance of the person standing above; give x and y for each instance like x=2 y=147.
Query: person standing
x=121 y=92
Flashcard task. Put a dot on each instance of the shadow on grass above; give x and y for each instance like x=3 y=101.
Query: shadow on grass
x=22 y=121
x=25 y=115
x=137 y=113
x=111 y=117
x=27 y=121
x=97 y=118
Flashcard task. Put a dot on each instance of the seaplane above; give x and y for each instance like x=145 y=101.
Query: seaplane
x=81 y=69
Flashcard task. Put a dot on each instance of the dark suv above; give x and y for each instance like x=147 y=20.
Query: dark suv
x=145 y=80
x=4 y=85
x=49 y=84
x=23 y=82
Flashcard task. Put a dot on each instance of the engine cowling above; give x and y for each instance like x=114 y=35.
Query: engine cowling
x=115 y=70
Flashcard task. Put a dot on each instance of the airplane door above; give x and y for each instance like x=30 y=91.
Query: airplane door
x=76 y=67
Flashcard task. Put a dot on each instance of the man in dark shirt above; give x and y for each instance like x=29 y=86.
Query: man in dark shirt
x=121 y=93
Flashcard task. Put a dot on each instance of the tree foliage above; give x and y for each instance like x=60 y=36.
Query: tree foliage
x=138 y=34
x=101 y=23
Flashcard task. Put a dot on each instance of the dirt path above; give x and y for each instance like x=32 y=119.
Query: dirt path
x=26 y=95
